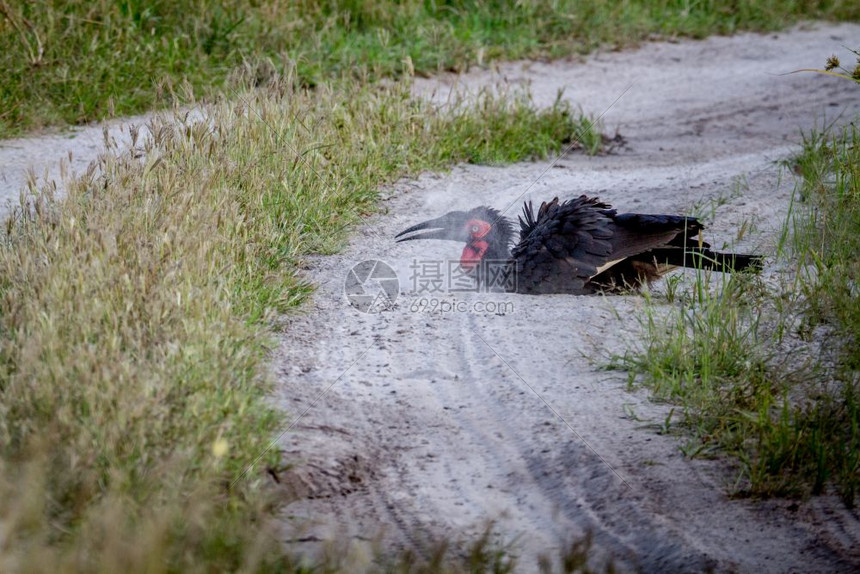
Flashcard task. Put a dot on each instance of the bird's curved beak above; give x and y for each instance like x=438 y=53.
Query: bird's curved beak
x=448 y=227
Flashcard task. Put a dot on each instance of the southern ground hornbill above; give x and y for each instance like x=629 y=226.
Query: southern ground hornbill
x=580 y=246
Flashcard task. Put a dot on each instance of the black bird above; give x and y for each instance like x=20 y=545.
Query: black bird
x=580 y=246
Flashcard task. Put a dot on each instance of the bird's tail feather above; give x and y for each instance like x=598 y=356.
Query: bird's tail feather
x=703 y=258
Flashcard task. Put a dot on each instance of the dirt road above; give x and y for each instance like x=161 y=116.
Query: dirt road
x=427 y=423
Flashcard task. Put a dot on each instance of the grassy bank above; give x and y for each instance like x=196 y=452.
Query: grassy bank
x=72 y=61
x=133 y=315
x=770 y=373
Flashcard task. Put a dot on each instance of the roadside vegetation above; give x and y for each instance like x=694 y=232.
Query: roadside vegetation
x=770 y=372
x=72 y=61
x=134 y=313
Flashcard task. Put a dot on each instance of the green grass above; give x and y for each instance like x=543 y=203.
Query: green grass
x=134 y=314
x=825 y=237
x=71 y=61
x=770 y=374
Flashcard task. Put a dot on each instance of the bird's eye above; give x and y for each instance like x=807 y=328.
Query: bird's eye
x=474 y=229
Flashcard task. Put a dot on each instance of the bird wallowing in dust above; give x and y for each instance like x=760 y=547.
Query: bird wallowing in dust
x=580 y=246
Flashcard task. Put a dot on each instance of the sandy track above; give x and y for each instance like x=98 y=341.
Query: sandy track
x=431 y=423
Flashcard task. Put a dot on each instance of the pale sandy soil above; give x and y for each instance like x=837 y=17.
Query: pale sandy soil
x=428 y=424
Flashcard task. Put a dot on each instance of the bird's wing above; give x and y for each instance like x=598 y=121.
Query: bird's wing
x=646 y=247
x=567 y=244
x=636 y=233
x=564 y=246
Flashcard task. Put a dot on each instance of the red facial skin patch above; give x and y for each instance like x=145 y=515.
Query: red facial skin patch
x=474 y=251
x=472 y=254
x=477 y=229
